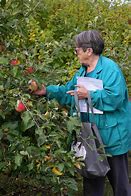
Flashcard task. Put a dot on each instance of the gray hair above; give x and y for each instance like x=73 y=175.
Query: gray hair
x=90 y=39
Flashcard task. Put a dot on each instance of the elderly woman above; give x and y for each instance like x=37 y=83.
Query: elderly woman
x=112 y=100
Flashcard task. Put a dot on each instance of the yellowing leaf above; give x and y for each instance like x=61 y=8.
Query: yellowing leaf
x=47 y=115
x=57 y=171
x=77 y=165
x=47 y=158
x=48 y=146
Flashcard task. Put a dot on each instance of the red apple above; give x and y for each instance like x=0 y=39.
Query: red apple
x=33 y=86
x=14 y=62
x=20 y=106
x=29 y=70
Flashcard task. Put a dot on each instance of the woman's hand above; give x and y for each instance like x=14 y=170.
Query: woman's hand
x=82 y=92
x=40 y=92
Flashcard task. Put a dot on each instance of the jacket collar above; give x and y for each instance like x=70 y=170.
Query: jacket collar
x=97 y=69
x=99 y=66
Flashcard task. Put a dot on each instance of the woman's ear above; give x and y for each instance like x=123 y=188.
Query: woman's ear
x=89 y=51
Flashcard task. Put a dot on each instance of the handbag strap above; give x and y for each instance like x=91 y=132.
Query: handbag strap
x=89 y=105
x=88 y=102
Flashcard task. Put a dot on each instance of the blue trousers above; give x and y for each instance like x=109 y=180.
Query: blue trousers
x=117 y=176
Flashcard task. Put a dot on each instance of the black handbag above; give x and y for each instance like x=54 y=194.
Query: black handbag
x=88 y=146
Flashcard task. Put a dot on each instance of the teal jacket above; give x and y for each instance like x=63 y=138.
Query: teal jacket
x=113 y=124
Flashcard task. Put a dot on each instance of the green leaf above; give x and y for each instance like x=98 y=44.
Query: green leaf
x=72 y=172
x=61 y=166
x=24 y=153
x=4 y=61
x=27 y=121
x=2 y=165
x=1 y=87
x=30 y=166
x=73 y=123
x=15 y=71
x=18 y=160
x=3 y=2
x=41 y=140
x=12 y=125
x=2 y=114
x=71 y=183
x=39 y=131
x=41 y=136
x=1 y=134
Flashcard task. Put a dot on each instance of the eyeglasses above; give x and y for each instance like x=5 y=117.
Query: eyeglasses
x=82 y=46
x=76 y=51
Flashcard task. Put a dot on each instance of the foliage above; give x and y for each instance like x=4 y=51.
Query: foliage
x=39 y=34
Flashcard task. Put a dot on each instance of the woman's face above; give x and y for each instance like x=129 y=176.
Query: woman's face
x=82 y=56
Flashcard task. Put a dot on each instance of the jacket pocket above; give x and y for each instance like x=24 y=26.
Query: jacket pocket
x=110 y=120
x=109 y=129
x=110 y=133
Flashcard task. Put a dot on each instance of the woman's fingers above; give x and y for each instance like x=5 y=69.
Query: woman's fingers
x=70 y=92
x=81 y=92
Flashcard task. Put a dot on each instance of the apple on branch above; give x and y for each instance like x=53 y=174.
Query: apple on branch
x=29 y=70
x=14 y=62
x=20 y=106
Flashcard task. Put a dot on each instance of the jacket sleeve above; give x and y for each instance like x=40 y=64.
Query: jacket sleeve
x=58 y=92
x=113 y=94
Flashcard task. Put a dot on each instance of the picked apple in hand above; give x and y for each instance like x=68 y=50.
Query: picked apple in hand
x=33 y=86
x=35 y=90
